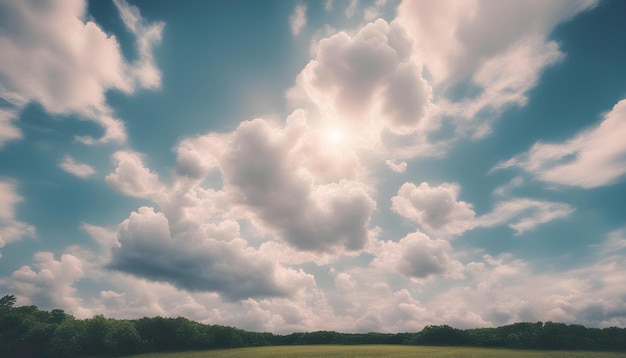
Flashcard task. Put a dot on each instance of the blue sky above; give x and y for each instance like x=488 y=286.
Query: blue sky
x=315 y=165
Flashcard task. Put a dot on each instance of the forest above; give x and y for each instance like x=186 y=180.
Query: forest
x=27 y=331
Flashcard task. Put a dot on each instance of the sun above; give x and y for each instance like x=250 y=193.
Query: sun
x=336 y=135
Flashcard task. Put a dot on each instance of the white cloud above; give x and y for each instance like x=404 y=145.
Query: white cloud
x=503 y=290
x=456 y=39
x=497 y=48
x=593 y=158
x=52 y=56
x=8 y=130
x=417 y=257
x=372 y=12
x=614 y=243
x=524 y=214
x=297 y=20
x=11 y=229
x=507 y=188
x=81 y=170
x=262 y=167
x=396 y=167
x=344 y=281
x=131 y=177
x=351 y=8
x=436 y=209
x=147 y=35
x=50 y=285
x=366 y=83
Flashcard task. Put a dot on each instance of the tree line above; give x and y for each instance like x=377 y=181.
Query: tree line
x=27 y=331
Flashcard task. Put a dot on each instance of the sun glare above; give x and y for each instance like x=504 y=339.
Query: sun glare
x=336 y=135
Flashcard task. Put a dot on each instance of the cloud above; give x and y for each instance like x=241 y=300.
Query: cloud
x=417 y=257
x=372 y=12
x=351 y=8
x=498 y=49
x=396 y=167
x=261 y=167
x=344 y=281
x=593 y=158
x=507 y=188
x=54 y=57
x=366 y=83
x=50 y=285
x=455 y=39
x=436 y=209
x=147 y=36
x=131 y=177
x=525 y=214
x=328 y=5
x=614 y=243
x=8 y=130
x=81 y=170
x=297 y=20
x=11 y=229
x=192 y=261
x=503 y=290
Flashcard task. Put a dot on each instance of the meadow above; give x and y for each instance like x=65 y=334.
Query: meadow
x=378 y=351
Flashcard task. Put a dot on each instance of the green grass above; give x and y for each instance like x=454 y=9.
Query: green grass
x=377 y=351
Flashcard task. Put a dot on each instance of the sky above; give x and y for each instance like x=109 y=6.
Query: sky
x=291 y=166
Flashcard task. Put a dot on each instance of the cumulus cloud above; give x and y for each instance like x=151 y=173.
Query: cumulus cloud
x=297 y=20
x=131 y=177
x=80 y=170
x=192 y=262
x=344 y=281
x=261 y=168
x=417 y=257
x=50 y=284
x=11 y=229
x=51 y=55
x=436 y=209
x=593 y=158
x=367 y=82
x=396 y=167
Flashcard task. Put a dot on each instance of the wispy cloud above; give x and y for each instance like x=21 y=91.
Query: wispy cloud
x=80 y=170
x=298 y=20
x=593 y=158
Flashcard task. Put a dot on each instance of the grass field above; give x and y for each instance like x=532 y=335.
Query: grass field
x=377 y=351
